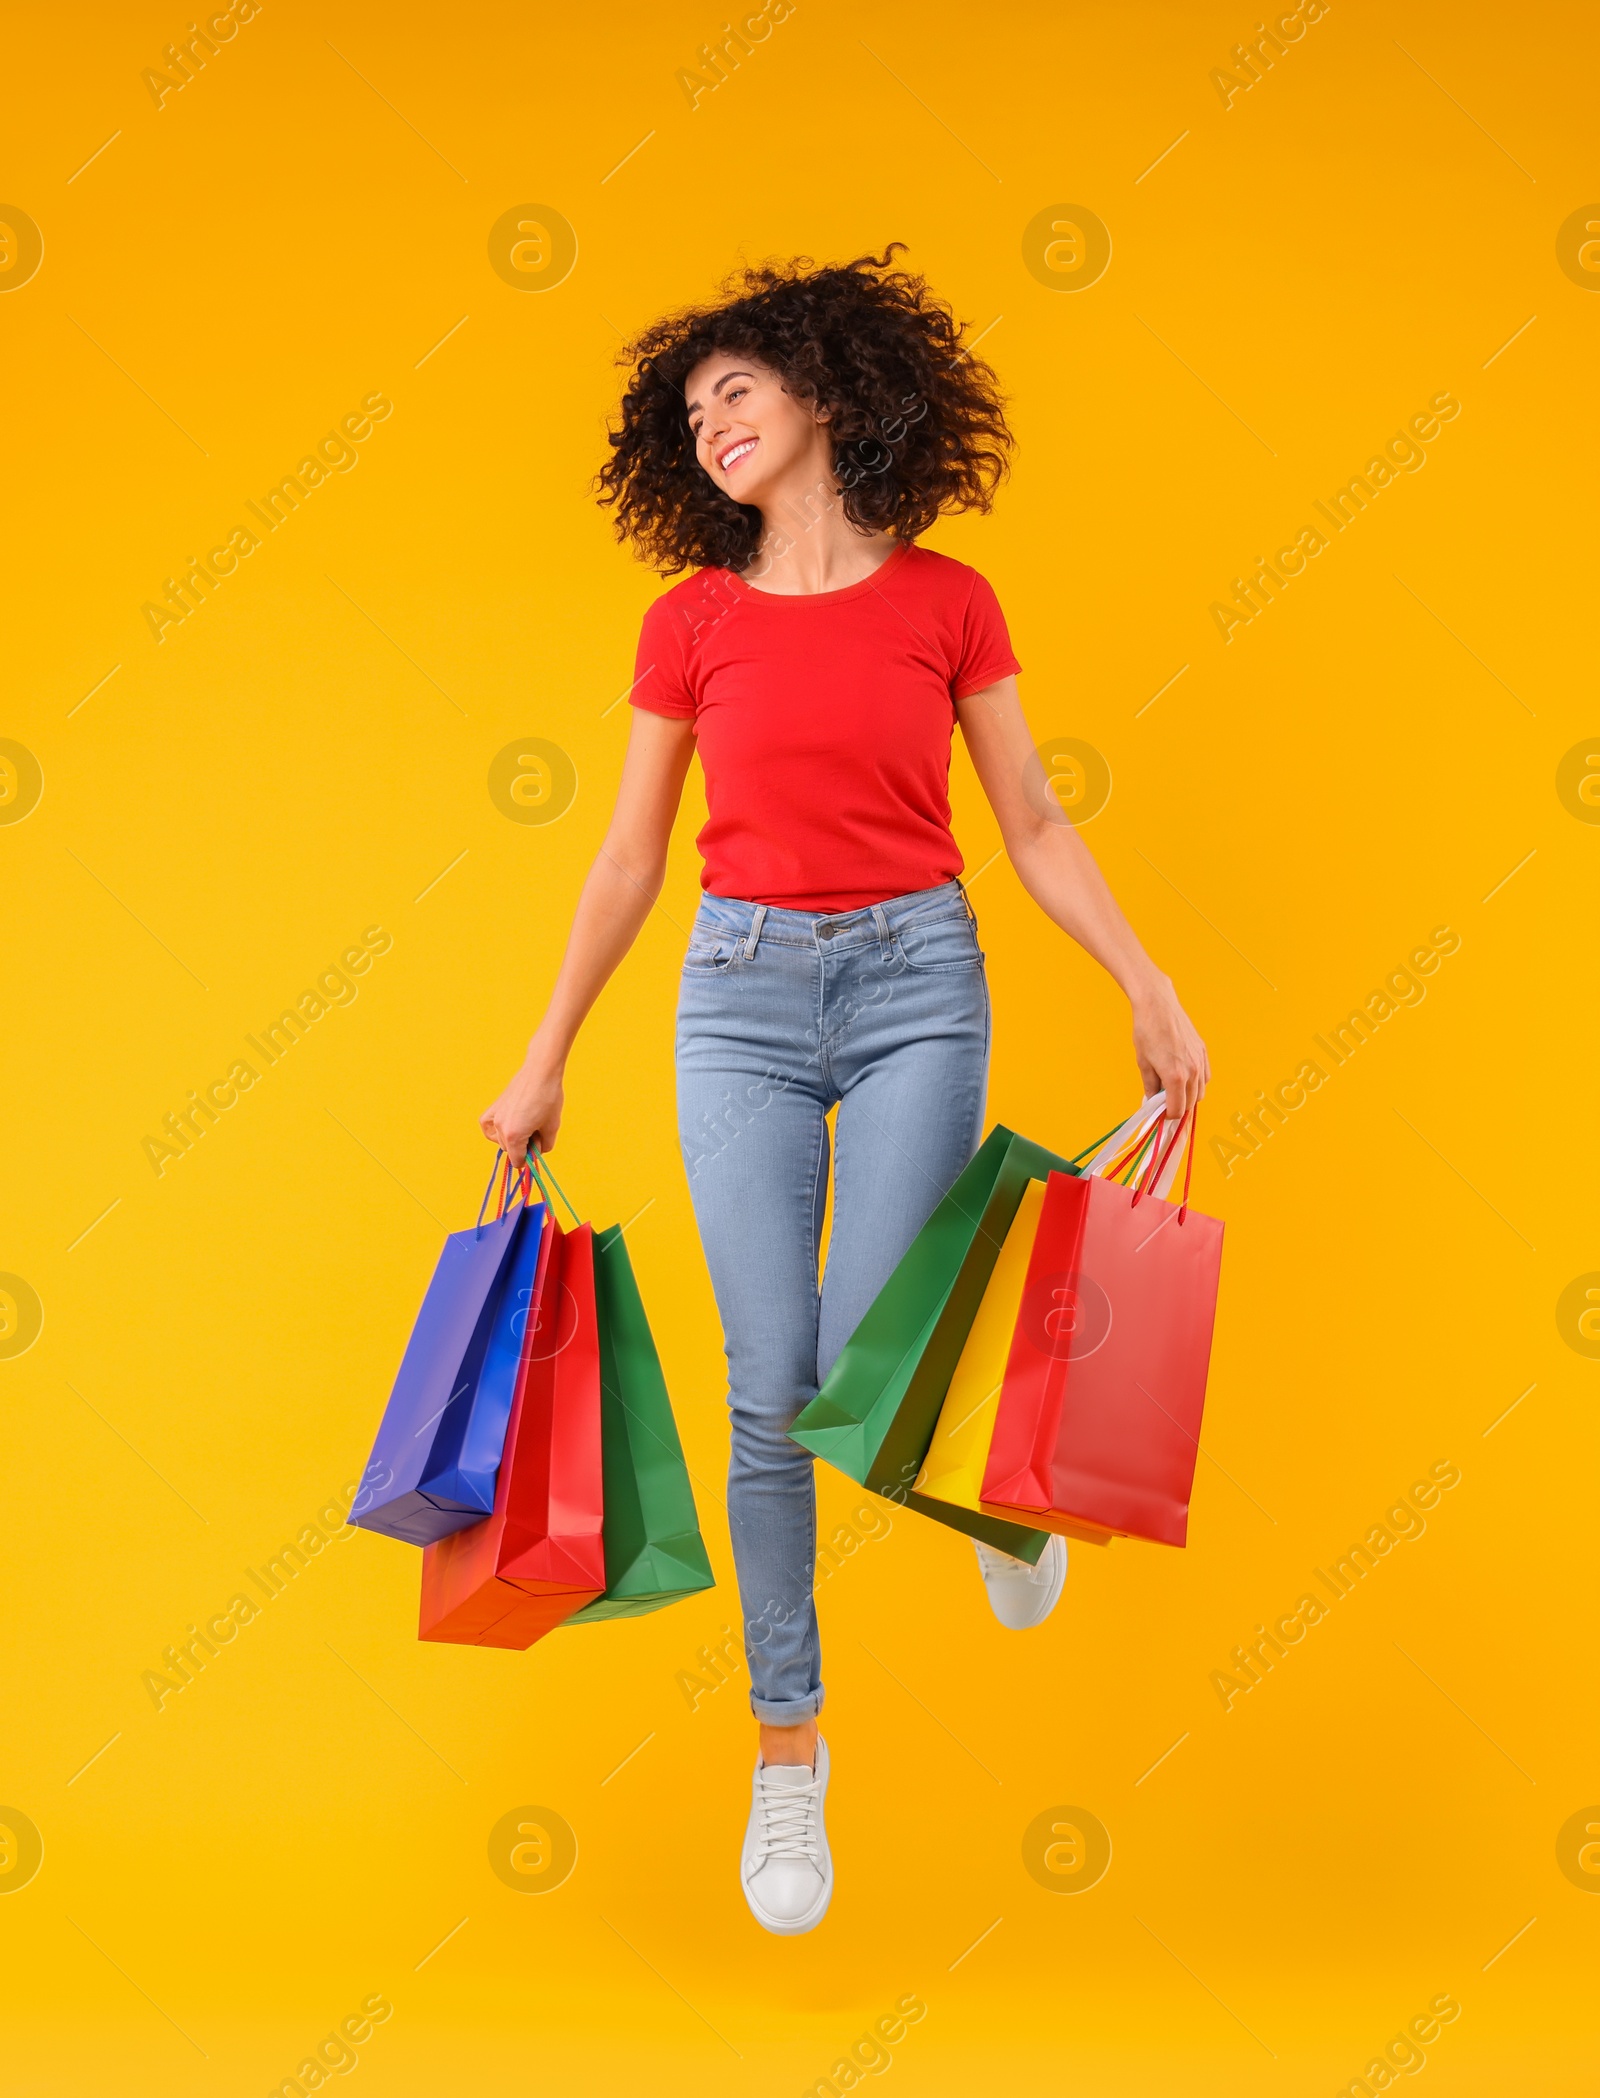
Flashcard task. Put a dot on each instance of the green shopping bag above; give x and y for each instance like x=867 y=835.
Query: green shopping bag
x=653 y=1551
x=874 y=1417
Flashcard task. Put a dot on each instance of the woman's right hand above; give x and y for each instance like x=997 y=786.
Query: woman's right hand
x=529 y=1109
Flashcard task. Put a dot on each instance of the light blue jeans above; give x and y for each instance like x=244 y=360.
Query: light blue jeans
x=782 y=1015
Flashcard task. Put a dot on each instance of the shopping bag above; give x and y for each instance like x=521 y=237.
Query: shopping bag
x=953 y=1468
x=539 y=1556
x=470 y=1437
x=433 y=1463
x=1099 y=1412
x=653 y=1551
x=874 y=1416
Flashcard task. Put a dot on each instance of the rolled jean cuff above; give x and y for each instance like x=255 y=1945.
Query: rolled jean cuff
x=790 y=1711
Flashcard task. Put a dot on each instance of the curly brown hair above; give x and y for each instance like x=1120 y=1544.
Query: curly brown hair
x=918 y=423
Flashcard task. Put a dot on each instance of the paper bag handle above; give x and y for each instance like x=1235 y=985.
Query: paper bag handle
x=1152 y=1173
x=540 y=1166
x=520 y=1185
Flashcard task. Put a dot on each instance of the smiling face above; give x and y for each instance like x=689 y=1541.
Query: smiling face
x=755 y=439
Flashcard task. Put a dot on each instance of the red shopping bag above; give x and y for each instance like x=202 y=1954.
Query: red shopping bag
x=1099 y=1415
x=508 y=1580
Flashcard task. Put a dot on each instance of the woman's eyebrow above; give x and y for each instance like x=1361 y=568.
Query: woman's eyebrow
x=723 y=381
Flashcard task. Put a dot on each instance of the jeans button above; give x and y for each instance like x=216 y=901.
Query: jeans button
x=825 y=932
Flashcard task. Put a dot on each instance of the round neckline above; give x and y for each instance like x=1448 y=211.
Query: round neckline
x=896 y=557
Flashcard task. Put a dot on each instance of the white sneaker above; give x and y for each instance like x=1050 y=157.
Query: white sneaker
x=1021 y=1595
x=787 y=1869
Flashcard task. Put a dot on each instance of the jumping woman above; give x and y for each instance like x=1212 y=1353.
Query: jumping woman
x=790 y=445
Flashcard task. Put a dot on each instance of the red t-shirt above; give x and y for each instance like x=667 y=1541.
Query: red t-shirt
x=824 y=723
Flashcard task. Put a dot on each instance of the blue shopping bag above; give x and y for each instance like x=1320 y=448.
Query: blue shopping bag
x=470 y=1437
x=434 y=1463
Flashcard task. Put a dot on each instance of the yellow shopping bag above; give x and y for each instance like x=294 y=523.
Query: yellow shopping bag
x=954 y=1466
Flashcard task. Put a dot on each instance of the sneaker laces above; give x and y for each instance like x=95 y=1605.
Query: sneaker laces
x=994 y=1562
x=788 y=1819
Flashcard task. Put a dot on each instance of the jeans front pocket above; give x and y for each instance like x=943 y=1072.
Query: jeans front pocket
x=710 y=953
x=929 y=945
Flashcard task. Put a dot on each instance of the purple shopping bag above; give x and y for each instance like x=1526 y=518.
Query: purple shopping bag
x=433 y=1465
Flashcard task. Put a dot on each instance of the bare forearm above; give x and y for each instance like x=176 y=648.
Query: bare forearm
x=1059 y=873
x=612 y=906
x=615 y=900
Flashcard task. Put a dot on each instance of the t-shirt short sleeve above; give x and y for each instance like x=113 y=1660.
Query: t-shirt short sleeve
x=660 y=668
x=986 y=654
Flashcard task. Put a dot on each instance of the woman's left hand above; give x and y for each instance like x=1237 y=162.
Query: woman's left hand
x=1172 y=1057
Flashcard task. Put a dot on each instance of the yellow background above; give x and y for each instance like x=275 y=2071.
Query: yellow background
x=1301 y=273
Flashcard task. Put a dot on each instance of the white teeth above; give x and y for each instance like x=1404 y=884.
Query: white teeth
x=737 y=452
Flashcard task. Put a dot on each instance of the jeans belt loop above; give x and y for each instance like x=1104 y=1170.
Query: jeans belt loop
x=972 y=916
x=882 y=923
x=754 y=933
